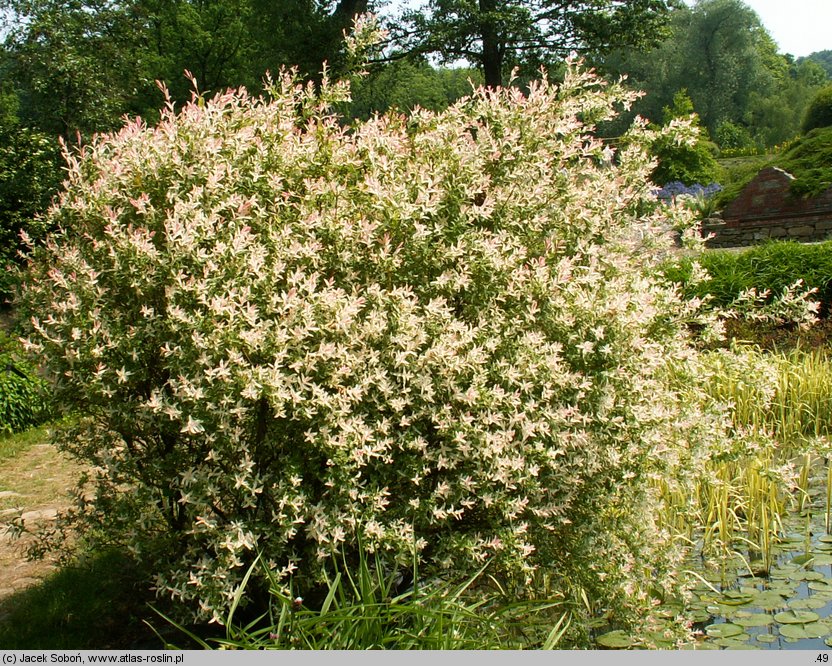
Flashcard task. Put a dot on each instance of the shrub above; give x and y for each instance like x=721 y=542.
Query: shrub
x=22 y=399
x=730 y=136
x=819 y=111
x=772 y=267
x=687 y=162
x=436 y=336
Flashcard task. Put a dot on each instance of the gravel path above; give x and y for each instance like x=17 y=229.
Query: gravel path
x=35 y=484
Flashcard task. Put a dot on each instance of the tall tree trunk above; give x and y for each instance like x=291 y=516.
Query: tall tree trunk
x=345 y=11
x=492 y=53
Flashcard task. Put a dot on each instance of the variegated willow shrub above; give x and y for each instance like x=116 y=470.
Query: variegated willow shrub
x=436 y=336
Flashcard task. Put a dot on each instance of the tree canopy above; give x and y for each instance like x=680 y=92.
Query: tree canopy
x=81 y=65
x=497 y=35
x=720 y=52
x=822 y=58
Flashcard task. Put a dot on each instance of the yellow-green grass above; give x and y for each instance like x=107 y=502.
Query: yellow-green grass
x=780 y=407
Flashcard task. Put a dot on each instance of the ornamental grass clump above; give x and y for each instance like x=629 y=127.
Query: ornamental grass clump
x=436 y=335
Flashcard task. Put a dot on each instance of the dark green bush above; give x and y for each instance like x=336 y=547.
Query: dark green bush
x=819 y=112
x=682 y=162
x=774 y=266
x=22 y=391
x=730 y=136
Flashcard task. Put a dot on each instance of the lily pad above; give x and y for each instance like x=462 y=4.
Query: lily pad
x=799 y=631
x=828 y=641
x=809 y=603
x=796 y=617
x=822 y=559
x=826 y=538
x=824 y=585
x=804 y=559
x=723 y=610
x=807 y=575
x=616 y=640
x=734 y=643
x=766 y=638
x=754 y=581
x=723 y=630
x=785 y=571
x=735 y=598
x=754 y=620
x=769 y=600
x=698 y=616
x=669 y=611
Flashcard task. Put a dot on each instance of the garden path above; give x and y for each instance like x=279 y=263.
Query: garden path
x=34 y=484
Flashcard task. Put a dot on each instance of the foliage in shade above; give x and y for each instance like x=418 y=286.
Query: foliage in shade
x=23 y=400
x=94 y=603
x=437 y=336
x=29 y=178
x=80 y=66
x=404 y=85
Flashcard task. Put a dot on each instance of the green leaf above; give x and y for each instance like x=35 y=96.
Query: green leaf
x=616 y=640
x=754 y=620
x=723 y=630
x=796 y=617
x=801 y=631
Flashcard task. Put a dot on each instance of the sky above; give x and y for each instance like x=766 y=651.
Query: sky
x=799 y=27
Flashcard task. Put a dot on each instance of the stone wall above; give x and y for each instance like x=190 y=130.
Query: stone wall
x=765 y=209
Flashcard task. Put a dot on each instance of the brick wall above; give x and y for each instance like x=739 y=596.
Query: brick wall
x=766 y=209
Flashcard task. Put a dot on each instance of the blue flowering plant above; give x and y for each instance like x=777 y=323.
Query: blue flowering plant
x=670 y=191
x=699 y=198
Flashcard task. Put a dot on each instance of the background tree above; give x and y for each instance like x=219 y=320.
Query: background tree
x=77 y=66
x=405 y=84
x=495 y=36
x=302 y=33
x=721 y=53
x=29 y=177
x=822 y=58
x=209 y=38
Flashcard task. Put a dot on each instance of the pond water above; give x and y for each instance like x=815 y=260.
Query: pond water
x=742 y=604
